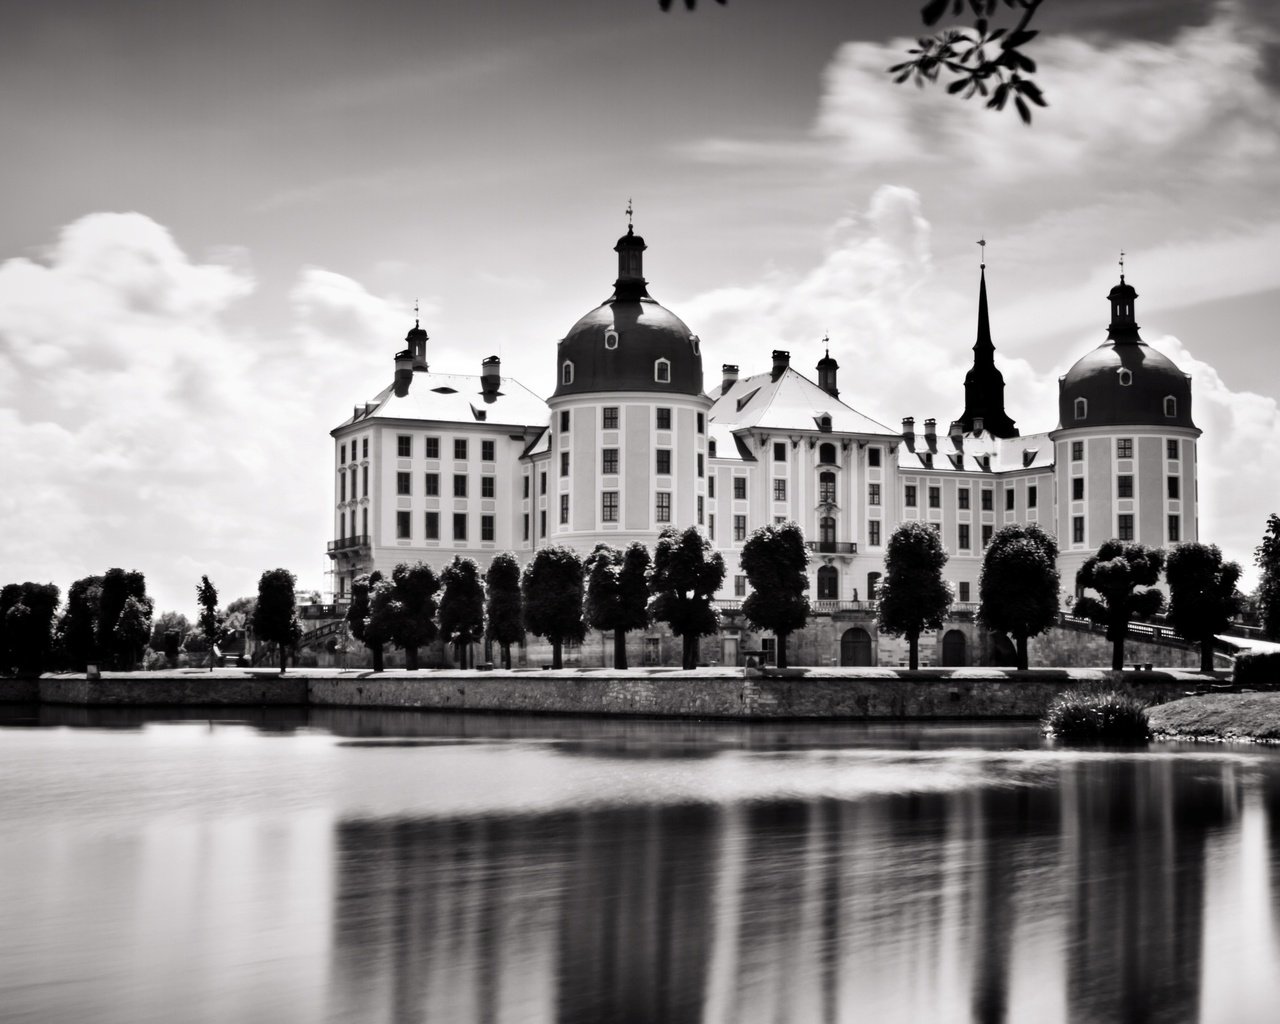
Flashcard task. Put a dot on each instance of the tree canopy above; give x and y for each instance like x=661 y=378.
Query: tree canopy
x=551 y=589
x=618 y=593
x=275 y=619
x=687 y=572
x=78 y=627
x=120 y=646
x=913 y=595
x=1124 y=574
x=27 y=614
x=403 y=608
x=1267 y=558
x=462 y=605
x=1018 y=589
x=776 y=563
x=1202 y=594
x=371 y=634
x=503 y=622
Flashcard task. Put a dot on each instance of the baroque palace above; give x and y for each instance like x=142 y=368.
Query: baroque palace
x=632 y=440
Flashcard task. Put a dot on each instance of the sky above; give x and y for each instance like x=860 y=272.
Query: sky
x=220 y=216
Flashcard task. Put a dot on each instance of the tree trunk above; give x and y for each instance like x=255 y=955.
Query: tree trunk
x=1022 y=653
x=1117 y=655
x=1206 y=656
x=555 y=653
x=690 y=651
x=506 y=656
x=284 y=658
x=913 y=649
x=782 y=649
x=619 y=649
x=411 y=658
x=377 y=657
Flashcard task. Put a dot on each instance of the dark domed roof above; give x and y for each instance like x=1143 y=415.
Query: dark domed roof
x=1125 y=382
x=629 y=342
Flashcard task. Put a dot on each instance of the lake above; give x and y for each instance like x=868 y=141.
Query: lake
x=366 y=866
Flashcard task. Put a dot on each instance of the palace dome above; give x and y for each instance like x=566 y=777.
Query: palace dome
x=629 y=342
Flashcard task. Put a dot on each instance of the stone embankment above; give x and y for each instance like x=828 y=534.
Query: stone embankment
x=868 y=693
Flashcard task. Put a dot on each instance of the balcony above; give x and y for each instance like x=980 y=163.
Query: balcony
x=344 y=545
x=832 y=547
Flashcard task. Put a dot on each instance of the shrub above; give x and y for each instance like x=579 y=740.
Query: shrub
x=1098 y=714
x=1257 y=668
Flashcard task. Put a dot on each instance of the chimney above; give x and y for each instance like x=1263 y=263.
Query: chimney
x=730 y=375
x=931 y=434
x=957 y=434
x=781 y=360
x=404 y=372
x=909 y=432
x=490 y=377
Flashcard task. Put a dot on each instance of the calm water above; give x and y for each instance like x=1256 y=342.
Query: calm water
x=369 y=866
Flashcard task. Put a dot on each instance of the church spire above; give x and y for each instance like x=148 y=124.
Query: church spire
x=984 y=383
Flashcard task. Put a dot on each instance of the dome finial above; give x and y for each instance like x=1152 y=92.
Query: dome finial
x=629 y=214
x=826 y=344
x=1122 y=266
x=982 y=242
x=417 y=320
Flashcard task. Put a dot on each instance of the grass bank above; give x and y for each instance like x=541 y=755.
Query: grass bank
x=1219 y=716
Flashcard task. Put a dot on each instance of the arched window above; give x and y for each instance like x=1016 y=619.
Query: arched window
x=610 y=339
x=827 y=452
x=1125 y=375
x=828 y=583
x=827 y=488
x=1082 y=408
x=873 y=585
x=1170 y=406
x=566 y=372
x=662 y=371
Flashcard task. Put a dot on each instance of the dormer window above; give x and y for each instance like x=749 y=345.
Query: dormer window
x=611 y=339
x=1125 y=375
x=1170 y=406
x=693 y=341
x=711 y=447
x=566 y=372
x=1082 y=408
x=824 y=423
x=662 y=371
x=977 y=424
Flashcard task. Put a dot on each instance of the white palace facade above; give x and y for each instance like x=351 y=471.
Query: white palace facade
x=633 y=440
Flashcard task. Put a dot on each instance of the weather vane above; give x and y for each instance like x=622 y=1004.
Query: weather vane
x=628 y=213
x=826 y=342
x=983 y=242
x=1121 y=264
x=416 y=320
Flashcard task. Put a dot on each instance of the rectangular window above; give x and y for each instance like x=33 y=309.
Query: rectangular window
x=963 y=542
x=1032 y=495
x=431 y=484
x=459 y=526
x=609 y=506
x=542 y=524
x=403 y=486
x=433 y=526
x=1174 y=489
x=1008 y=500
x=739 y=527
x=702 y=423
x=1171 y=450
x=664 y=418
x=964 y=591
x=873 y=532
x=1124 y=527
x=711 y=486
x=1175 y=527
x=488 y=486
x=364 y=448
x=702 y=507
x=711 y=526
x=873 y=494
x=873 y=456
x=986 y=534
x=610 y=417
x=987 y=499
x=935 y=497
x=487 y=451
x=564 y=463
x=608 y=460
x=433 y=447
x=1124 y=447
x=364 y=521
x=962 y=498
x=460 y=448
x=663 y=461
x=662 y=511
x=342 y=486
x=364 y=483
x=542 y=482
x=909 y=495
x=526 y=485
x=486 y=527
x=779 y=490
x=342 y=457
x=1077 y=488
x=564 y=509
x=739 y=488
x=779 y=451
x=564 y=421
x=1124 y=486
x=1077 y=451
x=701 y=471
x=402 y=526
x=739 y=586
x=526 y=526
x=459 y=485
x=404 y=446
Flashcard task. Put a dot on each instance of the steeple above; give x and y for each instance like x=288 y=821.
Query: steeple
x=827 y=369
x=630 y=285
x=1124 y=327
x=984 y=383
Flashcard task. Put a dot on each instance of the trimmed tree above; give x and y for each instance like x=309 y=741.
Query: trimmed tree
x=1018 y=589
x=164 y=624
x=1123 y=574
x=275 y=618
x=913 y=595
x=1267 y=558
x=776 y=563
x=133 y=630
x=551 y=589
x=503 y=624
x=618 y=593
x=404 y=610
x=212 y=624
x=28 y=611
x=78 y=627
x=120 y=647
x=462 y=606
x=358 y=616
x=687 y=572
x=1202 y=594
x=9 y=597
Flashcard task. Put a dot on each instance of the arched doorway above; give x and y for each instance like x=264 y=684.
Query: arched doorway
x=855 y=647
x=953 y=648
x=828 y=583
